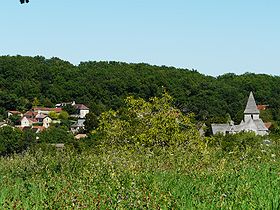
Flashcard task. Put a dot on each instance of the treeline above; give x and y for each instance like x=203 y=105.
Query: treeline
x=105 y=85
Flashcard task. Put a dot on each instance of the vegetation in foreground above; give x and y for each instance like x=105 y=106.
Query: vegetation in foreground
x=147 y=155
x=170 y=178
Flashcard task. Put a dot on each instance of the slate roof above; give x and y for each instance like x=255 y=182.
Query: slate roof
x=220 y=128
x=251 y=107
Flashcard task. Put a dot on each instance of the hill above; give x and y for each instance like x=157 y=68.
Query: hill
x=104 y=85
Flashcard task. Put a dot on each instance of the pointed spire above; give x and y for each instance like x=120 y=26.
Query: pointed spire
x=251 y=107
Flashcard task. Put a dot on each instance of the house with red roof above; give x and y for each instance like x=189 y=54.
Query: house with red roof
x=14 y=113
x=27 y=122
x=46 y=110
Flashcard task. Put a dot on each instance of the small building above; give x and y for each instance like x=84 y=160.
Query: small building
x=30 y=114
x=262 y=107
x=63 y=104
x=14 y=113
x=3 y=124
x=47 y=122
x=80 y=136
x=251 y=121
x=37 y=129
x=27 y=122
x=77 y=126
x=82 y=110
x=40 y=117
x=46 y=110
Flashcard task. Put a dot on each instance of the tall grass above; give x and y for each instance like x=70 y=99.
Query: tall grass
x=175 y=178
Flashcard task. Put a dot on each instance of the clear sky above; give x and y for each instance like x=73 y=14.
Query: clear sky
x=212 y=36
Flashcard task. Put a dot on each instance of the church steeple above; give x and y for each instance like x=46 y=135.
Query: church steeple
x=251 y=111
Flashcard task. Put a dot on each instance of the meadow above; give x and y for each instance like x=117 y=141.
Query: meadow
x=142 y=178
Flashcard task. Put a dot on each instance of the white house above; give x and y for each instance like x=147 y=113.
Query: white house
x=27 y=122
x=47 y=122
x=82 y=110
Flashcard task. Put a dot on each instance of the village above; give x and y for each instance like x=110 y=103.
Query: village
x=39 y=119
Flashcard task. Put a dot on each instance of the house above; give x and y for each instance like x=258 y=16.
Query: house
x=14 y=113
x=251 y=121
x=80 y=136
x=262 y=107
x=37 y=129
x=3 y=124
x=77 y=126
x=46 y=110
x=60 y=105
x=40 y=117
x=82 y=110
x=27 y=122
x=47 y=122
x=30 y=114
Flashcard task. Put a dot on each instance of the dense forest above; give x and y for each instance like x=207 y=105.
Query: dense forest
x=104 y=85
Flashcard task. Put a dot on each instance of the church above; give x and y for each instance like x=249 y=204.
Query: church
x=251 y=121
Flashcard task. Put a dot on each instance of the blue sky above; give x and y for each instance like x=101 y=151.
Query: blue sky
x=214 y=37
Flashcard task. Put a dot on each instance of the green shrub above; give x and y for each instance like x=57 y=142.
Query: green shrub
x=151 y=123
x=15 y=141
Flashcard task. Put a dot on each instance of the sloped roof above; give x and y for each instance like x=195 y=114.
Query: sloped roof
x=268 y=125
x=40 y=116
x=14 y=112
x=262 y=107
x=251 y=107
x=81 y=107
x=30 y=114
x=38 y=128
x=80 y=136
x=220 y=128
x=47 y=109
x=260 y=125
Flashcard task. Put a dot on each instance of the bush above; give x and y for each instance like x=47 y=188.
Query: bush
x=55 y=135
x=14 y=140
x=237 y=142
x=151 y=123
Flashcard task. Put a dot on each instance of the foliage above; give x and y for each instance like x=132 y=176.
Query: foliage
x=142 y=179
x=91 y=122
x=70 y=109
x=55 y=135
x=237 y=142
x=63 y=115
x=14 y=141
x=14 y=119
x=53 y=115
x=103 y=86
x=151 y=123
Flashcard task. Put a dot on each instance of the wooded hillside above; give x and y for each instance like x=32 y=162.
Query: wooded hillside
x=104 y=85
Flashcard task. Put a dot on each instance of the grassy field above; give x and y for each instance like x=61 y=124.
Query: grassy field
x=141 y=179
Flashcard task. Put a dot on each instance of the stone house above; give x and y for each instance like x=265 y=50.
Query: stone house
x=251 y=121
